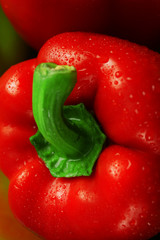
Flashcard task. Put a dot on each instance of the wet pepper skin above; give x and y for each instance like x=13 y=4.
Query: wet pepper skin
x=120 y=81
x=39 y=20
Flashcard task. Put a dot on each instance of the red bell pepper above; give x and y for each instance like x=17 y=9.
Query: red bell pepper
x=38 y=20
x=119 y=83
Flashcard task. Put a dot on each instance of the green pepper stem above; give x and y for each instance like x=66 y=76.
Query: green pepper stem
x=51 y=87
x=68 y=139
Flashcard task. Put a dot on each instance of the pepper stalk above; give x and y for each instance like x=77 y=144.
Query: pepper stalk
x=68 y=139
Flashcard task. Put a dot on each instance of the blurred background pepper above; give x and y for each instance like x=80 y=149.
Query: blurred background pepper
x=12 y=48
x=38 y=20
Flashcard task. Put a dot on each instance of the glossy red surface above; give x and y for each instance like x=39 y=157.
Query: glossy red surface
x=120 y=201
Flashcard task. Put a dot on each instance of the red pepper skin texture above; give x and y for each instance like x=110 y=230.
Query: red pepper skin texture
x=128 y=81
x=37 y=21
x=16 y=111
x=120 y=200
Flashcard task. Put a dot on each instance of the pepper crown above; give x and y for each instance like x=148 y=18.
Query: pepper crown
x=68 y=139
